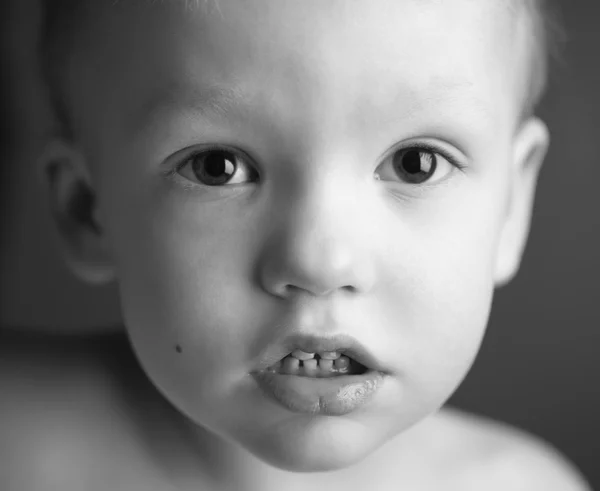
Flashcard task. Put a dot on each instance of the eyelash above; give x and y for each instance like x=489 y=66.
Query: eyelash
x=209 y=148
x=435 y=149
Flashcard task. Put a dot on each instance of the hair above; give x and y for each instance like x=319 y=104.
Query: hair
x=63 y=19
x=548 y=37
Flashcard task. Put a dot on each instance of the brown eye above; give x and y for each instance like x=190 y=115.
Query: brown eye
x=217 y=168
x=214 y=168
x=414 y=165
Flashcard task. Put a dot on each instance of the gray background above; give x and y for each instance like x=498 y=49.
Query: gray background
x=538 y=367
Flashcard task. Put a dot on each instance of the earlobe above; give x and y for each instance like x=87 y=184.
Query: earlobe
x=73 y=207
x=530 y=148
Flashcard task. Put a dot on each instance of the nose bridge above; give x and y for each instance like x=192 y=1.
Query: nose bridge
x=317 y=241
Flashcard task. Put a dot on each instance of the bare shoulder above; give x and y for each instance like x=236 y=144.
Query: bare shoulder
x=48 y=378
x=58 y=418
x=499 y=456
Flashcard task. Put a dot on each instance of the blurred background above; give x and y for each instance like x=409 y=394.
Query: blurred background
x=539 y=367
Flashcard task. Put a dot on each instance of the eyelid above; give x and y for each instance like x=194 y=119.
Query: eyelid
x=191 y=152
x=431 y=147
x=437 y=149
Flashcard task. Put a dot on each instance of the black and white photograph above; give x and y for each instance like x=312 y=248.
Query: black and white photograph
x=268 y=245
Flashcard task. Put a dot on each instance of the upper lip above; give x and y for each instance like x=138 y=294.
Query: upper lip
x=342 y=343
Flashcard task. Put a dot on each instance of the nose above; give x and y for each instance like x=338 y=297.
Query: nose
x=316 y=247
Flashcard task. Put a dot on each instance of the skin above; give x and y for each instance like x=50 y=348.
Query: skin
x=328 y=238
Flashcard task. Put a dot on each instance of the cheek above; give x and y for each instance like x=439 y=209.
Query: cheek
x=442 y=274
x=184 y=276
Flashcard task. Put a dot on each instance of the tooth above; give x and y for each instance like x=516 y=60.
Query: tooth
x=302 y=355
x=325 y=365
x=330 y=355
x=310 y=367
x=342 y=363
x=290 y=365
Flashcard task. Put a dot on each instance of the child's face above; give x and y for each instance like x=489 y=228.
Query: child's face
x=328 y=224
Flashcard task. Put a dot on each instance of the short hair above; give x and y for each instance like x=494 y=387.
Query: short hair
x=548 y=37
x=62 y=20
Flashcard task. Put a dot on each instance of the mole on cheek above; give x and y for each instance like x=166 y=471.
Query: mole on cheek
x=178 y=348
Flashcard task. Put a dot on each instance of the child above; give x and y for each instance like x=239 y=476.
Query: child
x=307 y=206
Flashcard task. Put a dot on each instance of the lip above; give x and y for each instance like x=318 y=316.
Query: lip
x=342 y=343
x=334 y=396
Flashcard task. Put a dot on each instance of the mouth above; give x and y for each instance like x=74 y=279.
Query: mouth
x=319 y=365
x=320 y=357
x=316 y=375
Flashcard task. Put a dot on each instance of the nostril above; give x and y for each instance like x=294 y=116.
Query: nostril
x=294 y=290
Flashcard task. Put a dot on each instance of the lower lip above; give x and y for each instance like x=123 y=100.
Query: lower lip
x=333 y=396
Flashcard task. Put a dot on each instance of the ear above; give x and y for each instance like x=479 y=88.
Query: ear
x=73 y=208
x=529 y=150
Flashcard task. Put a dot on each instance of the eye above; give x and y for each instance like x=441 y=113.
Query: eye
x=415 y=165
x=217 y=167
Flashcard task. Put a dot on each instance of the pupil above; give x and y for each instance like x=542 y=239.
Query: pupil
x=214 y=168
x=412 y=162
x=217 y=164
x=415 y=166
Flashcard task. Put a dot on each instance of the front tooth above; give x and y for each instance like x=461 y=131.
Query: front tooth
x=290 y=365
x=310 y=367
x=302 y=355
x=330 y=355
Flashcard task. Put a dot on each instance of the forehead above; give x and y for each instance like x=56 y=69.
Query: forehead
x=394 y=58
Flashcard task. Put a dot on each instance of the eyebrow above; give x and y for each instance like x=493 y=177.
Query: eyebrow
x=213 y=101
x=208 y=100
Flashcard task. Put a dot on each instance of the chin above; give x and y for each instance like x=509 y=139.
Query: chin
x=321 y=444
x=307 y=460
